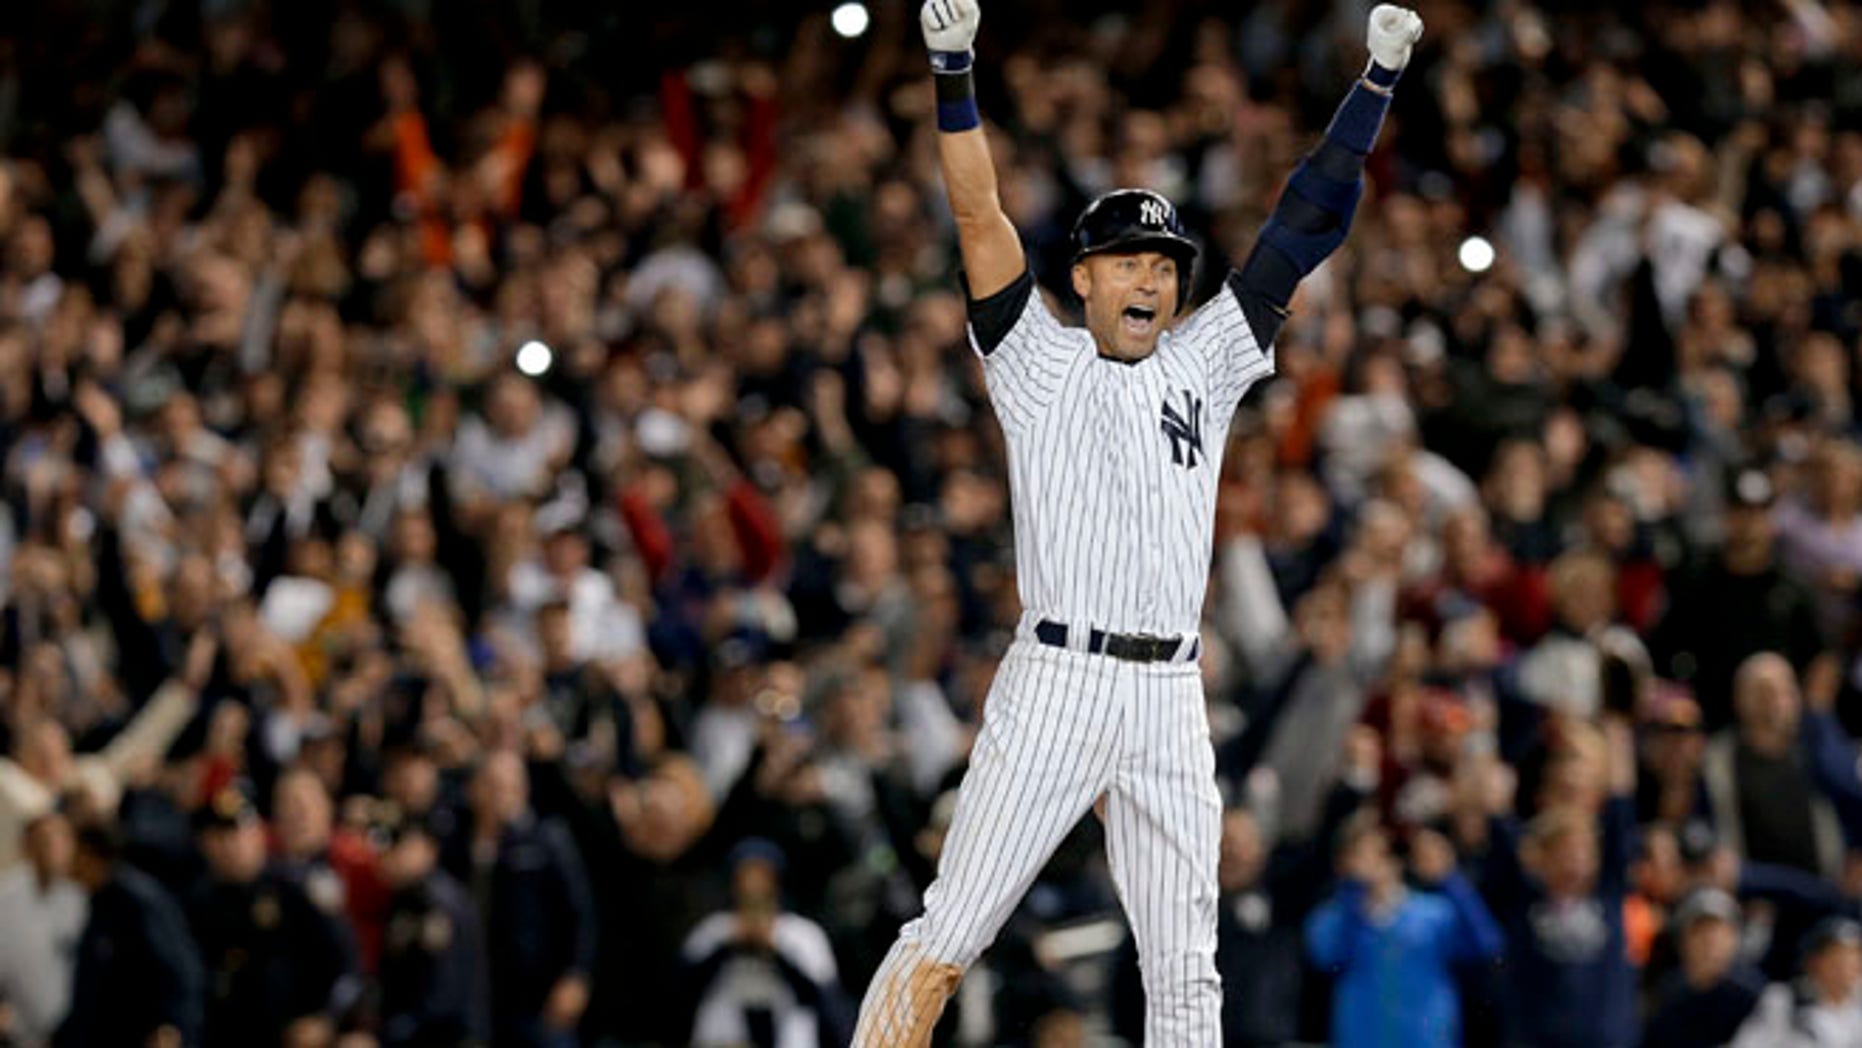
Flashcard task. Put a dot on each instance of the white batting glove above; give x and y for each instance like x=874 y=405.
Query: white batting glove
x=1393 y=31
x=950 y=25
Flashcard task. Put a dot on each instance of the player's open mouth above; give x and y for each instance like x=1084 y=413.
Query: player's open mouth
x=1139 y=320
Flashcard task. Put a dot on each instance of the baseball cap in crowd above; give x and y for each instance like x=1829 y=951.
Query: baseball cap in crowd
x=757 y=849
x=230 y=806
x=1832 y=931
x=1704 y=904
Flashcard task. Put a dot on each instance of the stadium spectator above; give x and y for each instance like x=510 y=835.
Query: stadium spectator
x=138 y=977
x=280 y=965
x=1820 y=531
x=43 y=766
x=433 y=965
x=1393 y=950
x=1825 y=1006
x=759 y=974
x=1709 y=997
x=1703 y=649
x=532 y=894
x=44 y=912
x=1668 y=785
x=337 y=868
x=1781 y=783
x=1559 y=892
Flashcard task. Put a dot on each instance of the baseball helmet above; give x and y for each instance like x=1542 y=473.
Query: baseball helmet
x=1127 y=221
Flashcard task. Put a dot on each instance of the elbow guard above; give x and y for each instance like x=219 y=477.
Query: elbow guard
x=1308 y=224
x=1315 y=210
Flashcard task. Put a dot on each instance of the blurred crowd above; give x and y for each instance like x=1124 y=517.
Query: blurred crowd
x=360 y=686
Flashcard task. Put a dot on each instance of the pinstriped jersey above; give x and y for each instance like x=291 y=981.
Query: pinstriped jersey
x=1113 y=465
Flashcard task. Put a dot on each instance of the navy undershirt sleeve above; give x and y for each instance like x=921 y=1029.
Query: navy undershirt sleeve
x=994 y=317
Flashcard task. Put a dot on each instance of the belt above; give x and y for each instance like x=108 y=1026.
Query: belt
x=1131 y=647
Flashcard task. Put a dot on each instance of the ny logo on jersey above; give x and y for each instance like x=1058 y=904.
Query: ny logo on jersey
x=1151 y=212
x=1185 y=430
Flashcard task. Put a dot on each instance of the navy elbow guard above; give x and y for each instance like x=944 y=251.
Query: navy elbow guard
x=1314 y=212
x=1308 y=224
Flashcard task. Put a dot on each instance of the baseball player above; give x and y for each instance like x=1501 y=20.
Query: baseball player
x=1115 y=436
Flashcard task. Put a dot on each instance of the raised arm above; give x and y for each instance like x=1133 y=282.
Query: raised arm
x=992 y=252
x=1315 y=210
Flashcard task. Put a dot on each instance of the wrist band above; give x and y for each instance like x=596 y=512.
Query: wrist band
x=952 y=61
x=956 y=91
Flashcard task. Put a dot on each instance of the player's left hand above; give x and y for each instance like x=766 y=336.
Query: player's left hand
x=1393 y=31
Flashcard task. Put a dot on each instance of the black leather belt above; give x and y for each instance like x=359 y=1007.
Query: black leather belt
x=1131 y=647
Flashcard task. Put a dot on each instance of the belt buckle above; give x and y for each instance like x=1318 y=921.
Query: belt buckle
x=1152 y=648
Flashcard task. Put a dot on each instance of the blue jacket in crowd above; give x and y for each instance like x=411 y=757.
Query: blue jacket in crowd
x=1395 y=974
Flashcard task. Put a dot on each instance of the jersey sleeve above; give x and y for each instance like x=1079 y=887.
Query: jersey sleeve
x=1025 y=350
x=1219 y=333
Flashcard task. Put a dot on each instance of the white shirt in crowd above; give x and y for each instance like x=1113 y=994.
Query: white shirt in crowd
x=38 y=949
x=747 y=982
x=1783 y=1020
x=514 y=466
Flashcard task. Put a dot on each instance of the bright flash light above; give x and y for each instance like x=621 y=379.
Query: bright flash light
x=533 y=358
x=1476 y=254
x=850 y=19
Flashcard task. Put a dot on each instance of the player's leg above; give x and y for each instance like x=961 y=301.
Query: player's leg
x=1163 y=837
x=1043 y=755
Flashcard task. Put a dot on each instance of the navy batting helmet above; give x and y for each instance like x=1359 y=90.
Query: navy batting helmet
x=1127 y=221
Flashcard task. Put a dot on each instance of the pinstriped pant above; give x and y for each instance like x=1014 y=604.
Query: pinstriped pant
x=1060 y=729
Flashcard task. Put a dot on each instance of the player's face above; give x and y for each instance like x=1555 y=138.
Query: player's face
x=1129 y=300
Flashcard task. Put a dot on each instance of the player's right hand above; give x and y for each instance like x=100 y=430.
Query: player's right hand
x=950 y=25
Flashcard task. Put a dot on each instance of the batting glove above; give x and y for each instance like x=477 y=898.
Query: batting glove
x=950 y=25
x=1393 y=31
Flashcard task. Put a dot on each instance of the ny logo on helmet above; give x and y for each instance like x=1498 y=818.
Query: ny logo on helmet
x=1151 y=212
x=1185 y=430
